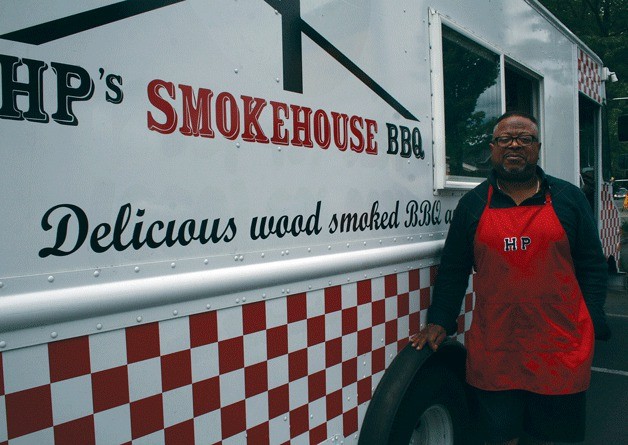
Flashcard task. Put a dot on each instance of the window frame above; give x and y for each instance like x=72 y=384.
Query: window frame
x=442 y=181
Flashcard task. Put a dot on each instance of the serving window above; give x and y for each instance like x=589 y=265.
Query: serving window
x=472 y=85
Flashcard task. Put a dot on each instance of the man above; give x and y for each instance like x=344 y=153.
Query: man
x=540 y=286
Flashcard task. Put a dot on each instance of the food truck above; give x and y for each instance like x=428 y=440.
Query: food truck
x=220 y=221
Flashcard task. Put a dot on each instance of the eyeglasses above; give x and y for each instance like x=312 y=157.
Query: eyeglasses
x=523 y=139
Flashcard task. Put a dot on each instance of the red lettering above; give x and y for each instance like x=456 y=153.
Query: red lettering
x=202 y=113
x=196 y=113
x=356 y=128
x=322 y=129
x=162 y=105
x=301 y=126
x=252 y=109
x=371 y=130
x=279 y=138
x=340 y=130
x=227 y=116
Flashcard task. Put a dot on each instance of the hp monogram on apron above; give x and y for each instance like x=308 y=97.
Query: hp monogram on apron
x=531 y=329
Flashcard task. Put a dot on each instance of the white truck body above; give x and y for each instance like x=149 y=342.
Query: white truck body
x=220 y=220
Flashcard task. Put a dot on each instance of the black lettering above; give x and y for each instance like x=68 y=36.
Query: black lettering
x=333 y=224
x=62 y=230
x=118 y=95
x=411 y=211
x=68 y=93
x=393 y=145
x=510 y=244
x=96 y=237
x=33 y=89
x=449 y=214
x=150 y=238
x=406 y=147
x=417 y=143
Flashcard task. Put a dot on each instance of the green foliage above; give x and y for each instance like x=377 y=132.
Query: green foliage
x=603 y=26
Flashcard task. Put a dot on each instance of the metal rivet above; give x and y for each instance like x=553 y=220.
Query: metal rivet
x=328 y=247
x=175 y=312
x=235 y=71
x=139 y=319
x=277 y=79
x=285 y=418
x=237 y=145
x=208 y=306
x=96 y=273
x=99 y=326
x=263 y=255
x=1 y=284
x=54 y=334
x=51 y=279
x=137 y=269
x=237 y=300
x=264 y=296
x=173 y=265
x=206 y=261
x=243 y=299
x=3 y=344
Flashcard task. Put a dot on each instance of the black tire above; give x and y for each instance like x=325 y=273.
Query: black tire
x=437 y=388
x=414 y=382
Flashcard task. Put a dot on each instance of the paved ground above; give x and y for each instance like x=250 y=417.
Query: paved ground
x=607 y=399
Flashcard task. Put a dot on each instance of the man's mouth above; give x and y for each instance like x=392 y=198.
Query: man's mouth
x=512 y=157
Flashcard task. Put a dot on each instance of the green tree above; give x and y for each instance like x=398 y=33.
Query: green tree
x=603 y=26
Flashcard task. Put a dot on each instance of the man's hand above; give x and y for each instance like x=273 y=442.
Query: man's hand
x=432 y=334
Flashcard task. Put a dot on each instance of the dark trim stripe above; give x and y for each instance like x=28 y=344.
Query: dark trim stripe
x=292 y=51
x=355 y=70
x=83 y=21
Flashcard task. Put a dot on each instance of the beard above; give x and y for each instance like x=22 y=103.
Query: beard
x=515 y=174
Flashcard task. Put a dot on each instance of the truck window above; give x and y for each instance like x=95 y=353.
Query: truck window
x=522 y=90
x=471 y=76
x=473 y=83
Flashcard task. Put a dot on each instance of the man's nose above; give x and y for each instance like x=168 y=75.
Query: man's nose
x=515 y=144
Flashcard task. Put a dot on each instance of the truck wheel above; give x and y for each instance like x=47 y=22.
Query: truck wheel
x=433 y=410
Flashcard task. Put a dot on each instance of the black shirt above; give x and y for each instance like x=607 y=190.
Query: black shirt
x=576 y=217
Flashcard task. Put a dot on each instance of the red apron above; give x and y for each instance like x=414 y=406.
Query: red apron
x=531 y=329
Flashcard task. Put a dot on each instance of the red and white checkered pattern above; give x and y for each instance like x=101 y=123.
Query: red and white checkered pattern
x=589 y=78
x=295 y=369
x=610 y=230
